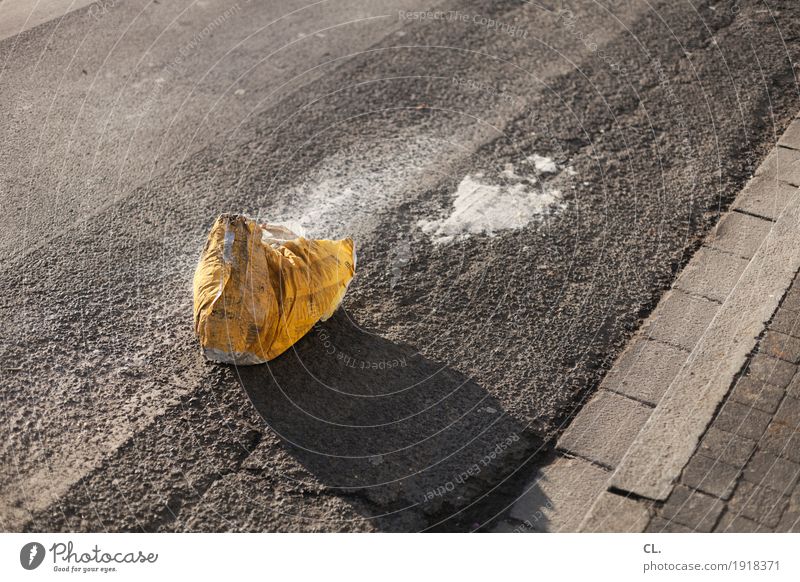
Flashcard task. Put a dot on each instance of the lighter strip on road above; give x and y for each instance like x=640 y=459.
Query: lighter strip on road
x=17 y=16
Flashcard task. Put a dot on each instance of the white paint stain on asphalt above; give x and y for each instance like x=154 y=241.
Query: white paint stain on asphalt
x=347 y=193
x=543 y=165
x=483 y=207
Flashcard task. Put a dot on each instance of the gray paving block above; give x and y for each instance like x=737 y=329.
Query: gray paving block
x=782 y=436
x=559 y=496
x=790 y=520
x=693 y=509
x=612 y=513
x=781 y=346
x=765 y=197
x=751 y=391
x=786 y=321
x=793 y=389
x=790 y=523
x=772 y=370
x=742 y=420
x=781 y=164
x=711 y=273
x=739 y=234
x=645 y=370
x=789 y=411
x=726 y=447
x=661 y=525
x=791 y=137
x=792 y=299
x=680 y=319
x=605 y=428
x=782 y=439
x=731 y=522
x=711 y=476
x=758 y=503
x=769 y=470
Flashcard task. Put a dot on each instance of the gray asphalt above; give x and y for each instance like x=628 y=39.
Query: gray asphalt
x=430 y=397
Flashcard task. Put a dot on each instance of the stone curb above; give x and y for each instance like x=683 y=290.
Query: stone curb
x=629 y=444
x=671 y=434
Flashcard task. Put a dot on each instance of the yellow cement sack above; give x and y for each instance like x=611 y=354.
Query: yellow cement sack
x=259 y=288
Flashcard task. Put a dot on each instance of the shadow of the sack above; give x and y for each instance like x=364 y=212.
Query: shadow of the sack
x=364 y=414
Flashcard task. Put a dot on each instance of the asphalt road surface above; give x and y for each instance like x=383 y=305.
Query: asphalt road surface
x=522 y=179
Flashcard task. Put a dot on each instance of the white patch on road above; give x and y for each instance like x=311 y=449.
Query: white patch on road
x=543 y=164
x=346 y=194
x=481 y=207
x=17 y=16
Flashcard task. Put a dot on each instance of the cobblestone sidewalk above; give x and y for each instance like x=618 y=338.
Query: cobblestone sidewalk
x=745 y=475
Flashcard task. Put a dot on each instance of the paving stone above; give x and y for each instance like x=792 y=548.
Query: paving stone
x=792 y=299
x=781 y=346
x=730 y=522
x=769 y=470
x=782 y=436
x=790 y=520
x=757 y=393
x=781 y=164
x=710 y=476
x=786 y=321
x=680 y=319
x=758 y=503
x=614 y=513
x=790 y=523
x=711 y=273
x=791 y=137
x=765 y=197
x=726 y=447
x=793 y=389
x=605 y=428
x=782 y=440
x=776 y=372
x=695 y=510
x=739 y=234
x=742 y=420
x=661 y=525
x=560 y=495
x=789 y=411
x=645 y=370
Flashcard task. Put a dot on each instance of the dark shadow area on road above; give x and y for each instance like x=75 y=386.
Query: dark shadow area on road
x=372 y=417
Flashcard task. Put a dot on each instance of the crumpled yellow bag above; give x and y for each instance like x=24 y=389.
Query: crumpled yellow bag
x=259 y=288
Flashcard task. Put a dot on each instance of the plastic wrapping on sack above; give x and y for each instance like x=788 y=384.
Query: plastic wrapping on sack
x=259 y=288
